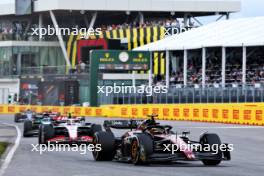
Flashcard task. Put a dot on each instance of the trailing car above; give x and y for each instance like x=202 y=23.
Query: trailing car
x=31 y=125
x=32 y=122
x=22 y=116
x=67 y=130
x=149 y=142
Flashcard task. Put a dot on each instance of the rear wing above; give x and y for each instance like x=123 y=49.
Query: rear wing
x=122 y=124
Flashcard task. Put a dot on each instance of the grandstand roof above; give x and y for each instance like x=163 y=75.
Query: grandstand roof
x=227 y=33
x=204 y=7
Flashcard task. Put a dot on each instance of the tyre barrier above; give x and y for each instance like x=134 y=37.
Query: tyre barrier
x=239 y=113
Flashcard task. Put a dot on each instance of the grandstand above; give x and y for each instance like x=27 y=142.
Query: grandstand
x=224 y=51
x=26 y=59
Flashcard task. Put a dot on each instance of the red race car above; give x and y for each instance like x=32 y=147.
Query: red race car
x=149 y=142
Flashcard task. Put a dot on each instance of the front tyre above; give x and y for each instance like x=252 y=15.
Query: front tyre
x=27 y=128
x=17 y=117
x=107 y=142
x=46 y=132
x=40 y=136
x=141 y=149
x=212 y=139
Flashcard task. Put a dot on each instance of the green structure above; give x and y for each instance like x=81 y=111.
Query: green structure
x=114 y=60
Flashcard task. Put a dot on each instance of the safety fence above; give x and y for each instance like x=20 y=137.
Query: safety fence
x=240 y=113
x=188 y=95
x=44 y=70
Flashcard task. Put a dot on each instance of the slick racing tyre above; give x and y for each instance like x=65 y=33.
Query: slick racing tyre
x=40 y=139
x=107 y=142
x=211 y=139
x=27 y=128
x=141 y=149
x=17 y=117
x=46 y=132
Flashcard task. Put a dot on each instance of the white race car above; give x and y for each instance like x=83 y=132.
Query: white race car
x=72 y=130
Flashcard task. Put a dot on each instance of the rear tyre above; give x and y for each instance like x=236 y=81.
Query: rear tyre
x=40 y=140
x=27 y=128
x=107 y=142
x=141 y=149
x=17 y=117
x=212 y=139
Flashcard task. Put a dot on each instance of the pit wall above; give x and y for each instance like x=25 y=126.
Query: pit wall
x=239 y=113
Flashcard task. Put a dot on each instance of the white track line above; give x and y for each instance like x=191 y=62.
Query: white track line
x=12 y=150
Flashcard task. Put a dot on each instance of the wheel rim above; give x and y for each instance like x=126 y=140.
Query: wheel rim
x=134 y=151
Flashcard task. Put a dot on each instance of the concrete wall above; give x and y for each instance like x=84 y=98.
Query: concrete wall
x=4 y=96
x=12 y=85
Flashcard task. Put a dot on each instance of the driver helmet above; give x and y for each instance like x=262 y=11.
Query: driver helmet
x=147 y=123
x=157 y=131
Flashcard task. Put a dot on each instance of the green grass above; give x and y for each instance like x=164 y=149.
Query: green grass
x=3 y=146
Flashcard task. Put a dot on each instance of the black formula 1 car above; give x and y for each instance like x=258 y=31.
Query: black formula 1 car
x=149 y=142
x=33 y=120
x=31 y=125
x=67 y=130
x=22 y=116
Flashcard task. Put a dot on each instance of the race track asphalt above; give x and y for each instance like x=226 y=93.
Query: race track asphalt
x=247 y=157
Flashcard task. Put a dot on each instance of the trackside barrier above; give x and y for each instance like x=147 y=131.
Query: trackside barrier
x=79 y=111
x=240 y=113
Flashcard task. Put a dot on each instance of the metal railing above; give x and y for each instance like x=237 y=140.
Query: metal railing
x=25 y=37
x=44 y=70
x=189 y=95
